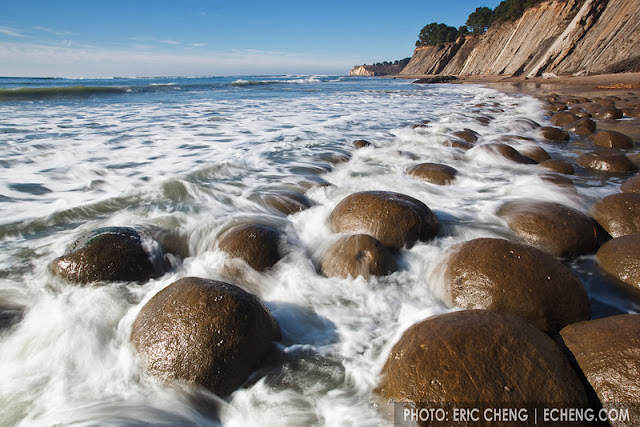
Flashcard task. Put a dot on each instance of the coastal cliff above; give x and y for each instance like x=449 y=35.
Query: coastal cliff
x=563 y=37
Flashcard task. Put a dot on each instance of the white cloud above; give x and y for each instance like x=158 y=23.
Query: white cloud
x=55 y=32
x=11 y=32
x=25 y=59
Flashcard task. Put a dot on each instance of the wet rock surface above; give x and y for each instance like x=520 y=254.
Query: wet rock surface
x=434 y=173
x=257 y=244
x=205 y=332
x=357 y=255
x=513 y=278
x=619 y=214
x=620 y=259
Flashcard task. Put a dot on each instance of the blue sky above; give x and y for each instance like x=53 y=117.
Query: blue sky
x=196 y=37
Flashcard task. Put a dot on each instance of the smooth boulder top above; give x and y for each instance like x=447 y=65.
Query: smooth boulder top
x=551 y=227
x=620 y=259
x=357 y=255
x=257 y=244
x=479 y=357
x=512 y=278
x=607 y=352
x=395 y=219
x=558 y=166
x=534 y=152
x=632 y=185
x=553 y=134
x=505 y=151
x=612 y=139
x=619 y=213
x=111 y=254
x=606 y=161
x=434 y=173
x=205 y=332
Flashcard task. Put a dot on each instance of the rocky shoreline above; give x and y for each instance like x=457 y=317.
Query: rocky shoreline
x=524 y=335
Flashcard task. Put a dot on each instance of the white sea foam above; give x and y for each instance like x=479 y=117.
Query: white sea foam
x=192 y=165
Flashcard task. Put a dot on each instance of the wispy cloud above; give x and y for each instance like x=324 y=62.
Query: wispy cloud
x=198 y=44
x=55 y=32
x=30 y=59
x=11 y=32
x=155 y=40
x=170 y=42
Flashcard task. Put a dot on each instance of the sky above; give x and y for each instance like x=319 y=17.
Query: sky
x=211 y=38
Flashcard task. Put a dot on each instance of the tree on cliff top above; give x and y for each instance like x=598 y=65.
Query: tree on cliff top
x=510 y=10
x=480 y=20
x=435 y=34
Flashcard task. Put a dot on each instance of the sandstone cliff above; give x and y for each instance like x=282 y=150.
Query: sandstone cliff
x=375 y=70
x=560 y=36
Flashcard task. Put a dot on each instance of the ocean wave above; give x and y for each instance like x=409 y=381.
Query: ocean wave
x=58 y=92
x=306 y=80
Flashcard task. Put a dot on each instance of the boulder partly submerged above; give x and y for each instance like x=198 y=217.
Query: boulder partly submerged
x=204 y=332
x=111 y=254
x=619 y=213
x=395 y=219
x=257 y=244
x=357 y=255
x=620 y=259
x=552 y=227
x=511 y=278
x=479 y=357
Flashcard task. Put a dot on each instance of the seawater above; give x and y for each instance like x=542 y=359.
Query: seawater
x=193 y=155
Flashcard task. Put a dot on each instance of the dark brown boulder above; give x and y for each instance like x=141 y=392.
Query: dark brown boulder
x=505 y=151
x=556 y=106
x=558 y=166
x=394 y=219
x=535 y=153
x=551 y=227
x=434 y=173
x=612 y=139
x=582 y=127
x=257 y=244
x=286 y=202
x=357 y=255
x=513 y=278
x=607 y=352
x=361 y=143
x=466 y=135
x=620 y=259
x=111 y=254
x=563 y=118
x=554 y=134
x=619 y=214
x=455 y=143
x=632 y=185
x=609 y=112
x=478 y=357
x=526 y=124
x=606 y=161
x=205 y=332
x=560 y=180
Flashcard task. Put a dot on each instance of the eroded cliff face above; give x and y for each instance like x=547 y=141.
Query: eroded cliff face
x=559 y=36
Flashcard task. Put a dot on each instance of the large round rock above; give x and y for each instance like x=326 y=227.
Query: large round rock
x=551 y=227
x=516 y=279
x=612 y=139
x=205 y=332
x=434 y=173
x=632 y=185
x=607 y=351
x=394 y=219
x=620 y=258
x=358 y=255
x=479 y=357
x=257 y=244
x=111 y=254
x=606 y=161
x=619 y=213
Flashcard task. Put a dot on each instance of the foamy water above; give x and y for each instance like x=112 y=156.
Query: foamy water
x=193 y=156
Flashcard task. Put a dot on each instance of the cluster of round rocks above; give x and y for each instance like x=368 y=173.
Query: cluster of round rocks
x=524 y=334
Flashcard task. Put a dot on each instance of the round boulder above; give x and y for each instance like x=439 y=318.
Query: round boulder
x=257 y=244
x=361 y=143
x=551 y=227
x=111 y=254
x=286 y=202
x=535 y=153
x=434 y=173
x=563 y=118
x=620 y=259
x=619 y=214
x=505 y=151
x=357 y=255
x=612 y=139
x=205 y=332
x=479 y=357
x=516 y=279
x=609 y=112
x=558 y=166
x=394 y=219
x=606 y=161
x=466 y=135
x=582 y=127
x=607 y=351
x=632 y=185
x=554 y=134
